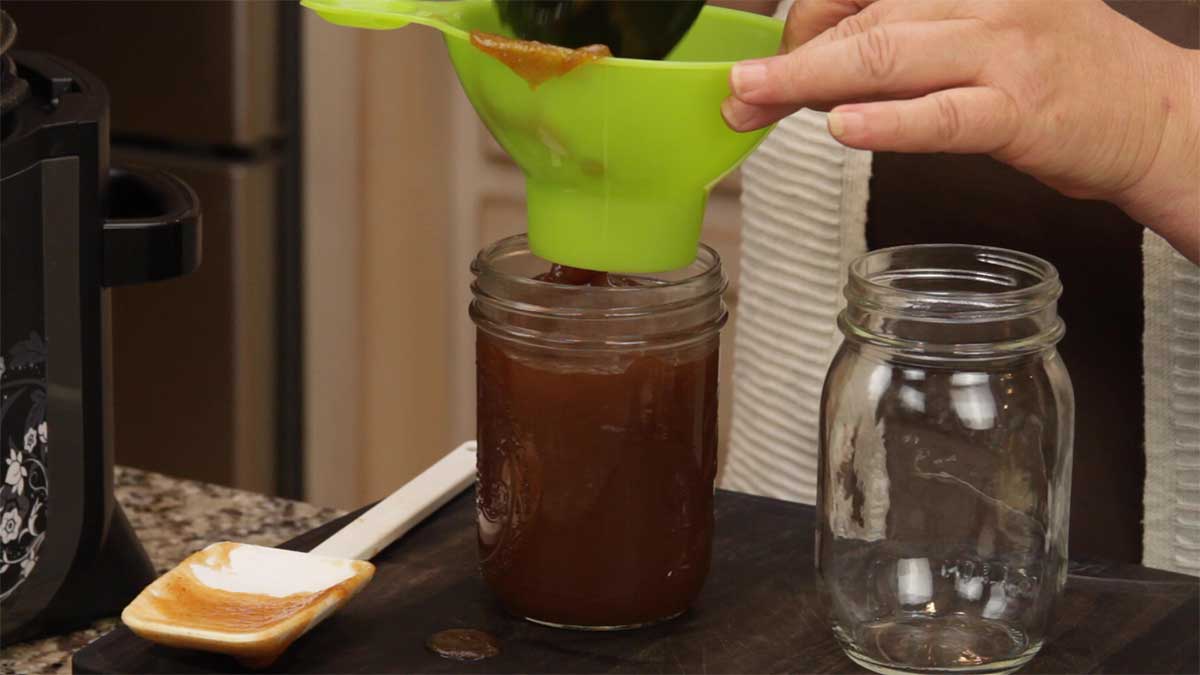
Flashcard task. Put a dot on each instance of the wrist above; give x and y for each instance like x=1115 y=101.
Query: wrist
x=1166 y=198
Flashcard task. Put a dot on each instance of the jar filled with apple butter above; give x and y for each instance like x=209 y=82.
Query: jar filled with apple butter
x=597 y=423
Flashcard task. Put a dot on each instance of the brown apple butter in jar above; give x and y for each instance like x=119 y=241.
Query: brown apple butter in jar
x=597 y=414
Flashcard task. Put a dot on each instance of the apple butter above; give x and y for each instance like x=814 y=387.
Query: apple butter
x=597 y=423
x=534 y=61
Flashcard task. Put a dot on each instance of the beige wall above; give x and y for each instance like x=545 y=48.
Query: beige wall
x=332 y=245
x=405 y=233
x=377 y=201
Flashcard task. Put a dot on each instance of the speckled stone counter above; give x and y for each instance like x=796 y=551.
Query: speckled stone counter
x=174 y=518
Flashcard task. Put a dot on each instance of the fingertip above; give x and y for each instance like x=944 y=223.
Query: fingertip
x=737 y=114
x=846 y=125
x=748 y=79
x=741 y=116
x=729 y=113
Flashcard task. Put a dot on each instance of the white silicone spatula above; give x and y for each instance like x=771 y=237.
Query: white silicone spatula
x=251 y=602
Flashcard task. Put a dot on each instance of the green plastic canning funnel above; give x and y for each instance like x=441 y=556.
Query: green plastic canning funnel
x=619 y=154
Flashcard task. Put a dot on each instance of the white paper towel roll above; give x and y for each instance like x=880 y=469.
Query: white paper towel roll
x=804 y=199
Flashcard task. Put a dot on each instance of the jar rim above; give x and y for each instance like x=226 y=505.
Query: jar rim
x=952 y=301
x=519 y=291
x=670 y=308
x=1048 y=282
x=518 y=243
x=877 y=288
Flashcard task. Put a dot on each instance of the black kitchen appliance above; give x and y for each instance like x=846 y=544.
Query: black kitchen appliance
x=71 y=227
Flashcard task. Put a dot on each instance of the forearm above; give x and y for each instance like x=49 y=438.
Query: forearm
x=1167 y=198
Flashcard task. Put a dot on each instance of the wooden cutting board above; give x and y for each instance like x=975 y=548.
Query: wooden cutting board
x=758 y=613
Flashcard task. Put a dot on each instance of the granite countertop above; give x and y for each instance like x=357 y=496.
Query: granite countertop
x=174 y=518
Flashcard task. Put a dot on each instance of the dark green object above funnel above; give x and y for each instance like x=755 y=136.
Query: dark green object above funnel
x=632 y=29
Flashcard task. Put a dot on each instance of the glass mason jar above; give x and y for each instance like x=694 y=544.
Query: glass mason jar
x=945 y=465
x=597 y=422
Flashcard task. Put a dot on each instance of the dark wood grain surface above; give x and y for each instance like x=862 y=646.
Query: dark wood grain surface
x=758 y=614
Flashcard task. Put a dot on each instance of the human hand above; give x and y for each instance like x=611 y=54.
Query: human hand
x=1069 y=91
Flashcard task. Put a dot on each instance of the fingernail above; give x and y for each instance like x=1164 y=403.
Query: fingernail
x=845 y=124
x=733 y=113
x=748 y=77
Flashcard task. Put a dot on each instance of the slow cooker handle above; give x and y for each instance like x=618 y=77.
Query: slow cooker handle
x=152 y=231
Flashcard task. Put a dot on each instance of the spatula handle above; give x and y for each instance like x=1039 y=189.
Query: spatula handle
x=388 y=520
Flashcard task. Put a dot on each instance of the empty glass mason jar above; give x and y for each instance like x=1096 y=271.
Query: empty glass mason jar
x=597 y=437
x=945 y=466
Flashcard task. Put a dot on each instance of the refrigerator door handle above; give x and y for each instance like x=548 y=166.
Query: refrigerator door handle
x=152 y=231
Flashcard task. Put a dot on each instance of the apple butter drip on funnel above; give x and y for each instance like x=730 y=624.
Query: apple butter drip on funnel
x=536 y=62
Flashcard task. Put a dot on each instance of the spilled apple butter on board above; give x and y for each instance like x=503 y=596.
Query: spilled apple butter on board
x=536 y=62
x=247 y=601
x=463 y=644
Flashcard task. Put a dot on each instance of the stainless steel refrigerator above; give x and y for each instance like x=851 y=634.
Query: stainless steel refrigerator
x=207 y=368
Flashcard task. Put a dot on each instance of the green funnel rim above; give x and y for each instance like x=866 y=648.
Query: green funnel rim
x=329 y=8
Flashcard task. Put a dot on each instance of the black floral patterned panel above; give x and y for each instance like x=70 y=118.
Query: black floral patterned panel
x=24 y=432
x=24 y=435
